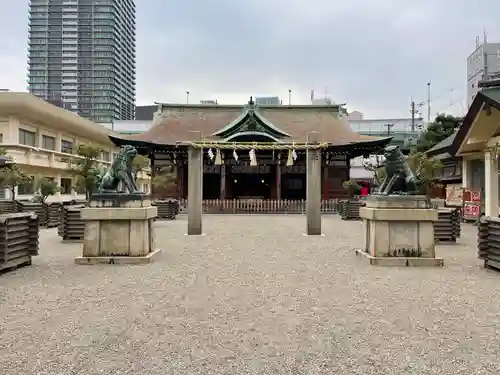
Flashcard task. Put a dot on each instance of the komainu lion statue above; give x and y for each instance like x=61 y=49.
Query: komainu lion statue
x=399 y=177
x=120 y=171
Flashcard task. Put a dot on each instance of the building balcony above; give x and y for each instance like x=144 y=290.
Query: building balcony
x=35 y=157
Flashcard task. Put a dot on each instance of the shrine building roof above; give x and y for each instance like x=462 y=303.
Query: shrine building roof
x=174 y=123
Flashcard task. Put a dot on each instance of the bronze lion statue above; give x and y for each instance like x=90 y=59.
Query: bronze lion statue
x=120 y=171
x=399 y=177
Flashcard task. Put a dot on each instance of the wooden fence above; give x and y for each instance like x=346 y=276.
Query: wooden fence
x=258 y=206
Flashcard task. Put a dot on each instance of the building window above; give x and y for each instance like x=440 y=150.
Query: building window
x=105 y=156
x=1 y=137
x=27 y=138
x=48 y=142
x=27 y=187
x=66 y=184
x=66 y=146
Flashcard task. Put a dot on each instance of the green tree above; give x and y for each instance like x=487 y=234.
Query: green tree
x=85 y=169
x=424 y=169
x=45 y=187
x=139 y=163
x=164 y=180
x=11 y=175
x=441 y=128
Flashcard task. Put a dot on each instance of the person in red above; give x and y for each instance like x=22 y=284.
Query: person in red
x=364 y=191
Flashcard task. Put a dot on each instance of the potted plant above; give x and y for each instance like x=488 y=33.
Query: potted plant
x=164 y=182
x=44 y=187
x=352 y=188
x=349 y=208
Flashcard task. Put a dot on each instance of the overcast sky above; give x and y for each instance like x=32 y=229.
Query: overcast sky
x=373 y=54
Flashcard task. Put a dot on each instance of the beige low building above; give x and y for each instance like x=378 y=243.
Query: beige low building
x=477 y=143
x=40 y=137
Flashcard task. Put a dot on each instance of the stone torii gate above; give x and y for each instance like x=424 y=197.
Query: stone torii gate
x=313 y=189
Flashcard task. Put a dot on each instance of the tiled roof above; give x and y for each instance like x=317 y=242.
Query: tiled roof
x=177 y=121
x=444 y=144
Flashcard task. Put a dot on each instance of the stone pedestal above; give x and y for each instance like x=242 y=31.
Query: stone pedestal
x=119 y=228
x=399 y=231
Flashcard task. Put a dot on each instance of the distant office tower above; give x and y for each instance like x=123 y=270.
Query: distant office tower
x=82 y=52
x=482 y=64
x=268 y=100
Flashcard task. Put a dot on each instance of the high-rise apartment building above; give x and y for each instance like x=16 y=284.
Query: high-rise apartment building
x=83 y=51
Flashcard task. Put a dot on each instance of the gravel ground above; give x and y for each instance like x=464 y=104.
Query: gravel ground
x=253 y=296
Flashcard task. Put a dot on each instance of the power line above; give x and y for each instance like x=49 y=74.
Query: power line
x=454 y=103
x=429 y=100
x=446 y=92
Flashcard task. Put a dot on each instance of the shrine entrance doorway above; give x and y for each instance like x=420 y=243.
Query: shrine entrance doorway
x=248 y=182
x=293 y=186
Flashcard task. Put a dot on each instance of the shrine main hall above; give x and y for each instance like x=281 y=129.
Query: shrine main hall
x=252 y=151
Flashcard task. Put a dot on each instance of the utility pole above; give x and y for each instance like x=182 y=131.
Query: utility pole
x=389 y=127
x=485 y=56
x=428 y=102
x=414 y=111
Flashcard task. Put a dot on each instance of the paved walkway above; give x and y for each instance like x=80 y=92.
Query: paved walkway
x=253 y=296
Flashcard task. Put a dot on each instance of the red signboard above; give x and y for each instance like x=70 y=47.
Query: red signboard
x=472 y=204
x=475 y=195
x=471 y=209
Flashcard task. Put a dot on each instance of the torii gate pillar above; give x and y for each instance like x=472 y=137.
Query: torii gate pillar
x=195 y=187
x=313 y=189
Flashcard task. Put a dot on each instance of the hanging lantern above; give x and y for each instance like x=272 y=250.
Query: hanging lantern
x=218 y=158
x=235 y=155
x=253 y=158
x=294 y=155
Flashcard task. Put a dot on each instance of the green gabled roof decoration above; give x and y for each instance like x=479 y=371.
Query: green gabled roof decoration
x=250 y=122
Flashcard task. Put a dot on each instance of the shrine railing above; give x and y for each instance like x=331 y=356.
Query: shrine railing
x=259 y=206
